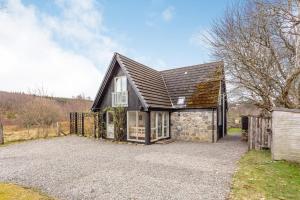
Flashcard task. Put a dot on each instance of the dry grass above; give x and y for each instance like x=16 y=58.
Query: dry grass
x=14 y=192
x=13 y=133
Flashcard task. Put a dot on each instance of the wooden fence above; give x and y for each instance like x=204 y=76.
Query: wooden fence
x=86 y=124
x=259 y=132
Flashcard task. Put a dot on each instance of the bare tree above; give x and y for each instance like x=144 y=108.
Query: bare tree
x=259 y=42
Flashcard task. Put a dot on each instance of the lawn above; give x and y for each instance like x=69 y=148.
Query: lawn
x=258 y=177
x=234 y=131
x=12 y=192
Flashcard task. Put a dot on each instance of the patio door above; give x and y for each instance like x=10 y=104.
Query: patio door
x=110 y=124
x=159 y=125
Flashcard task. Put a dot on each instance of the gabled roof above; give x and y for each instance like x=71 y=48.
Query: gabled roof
x=199 y=84
x=149 y=83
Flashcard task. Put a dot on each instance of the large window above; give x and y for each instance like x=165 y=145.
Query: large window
x=136 y=126
x=120 y=94
x=159 y=125
x=120 y=84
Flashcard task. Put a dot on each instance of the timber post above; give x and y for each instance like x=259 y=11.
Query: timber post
x=1 y=134
x=147 y=128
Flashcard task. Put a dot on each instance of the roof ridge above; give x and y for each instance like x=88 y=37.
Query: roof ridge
x=197 y=65
x=137 y=62
x=132 y=82
x=166 y=89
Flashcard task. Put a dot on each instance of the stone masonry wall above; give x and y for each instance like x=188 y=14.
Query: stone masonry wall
x=194 y=125
x=286 y=134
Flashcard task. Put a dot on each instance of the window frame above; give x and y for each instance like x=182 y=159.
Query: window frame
x=136 y=124
x=167 y=119
x=123 y=88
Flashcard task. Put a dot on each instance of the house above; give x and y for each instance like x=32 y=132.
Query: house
x=186 y=103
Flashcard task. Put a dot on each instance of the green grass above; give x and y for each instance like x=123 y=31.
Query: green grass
x=234 y=131
x=10 y=191
x=258 y=177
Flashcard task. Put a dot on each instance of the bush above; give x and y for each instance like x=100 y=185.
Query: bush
x=40 y=112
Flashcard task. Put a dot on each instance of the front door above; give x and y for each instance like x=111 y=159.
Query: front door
x=110 y=124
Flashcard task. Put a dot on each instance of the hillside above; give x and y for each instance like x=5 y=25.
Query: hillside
x=19 y=108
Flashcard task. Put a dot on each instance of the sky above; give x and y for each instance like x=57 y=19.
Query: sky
x=65 y=46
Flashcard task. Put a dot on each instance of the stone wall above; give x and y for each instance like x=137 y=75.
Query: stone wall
x=194 y=125
x=286 y=134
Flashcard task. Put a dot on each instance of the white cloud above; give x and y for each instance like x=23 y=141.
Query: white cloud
x=168 y=13
x=60 y=54
x=200 y=38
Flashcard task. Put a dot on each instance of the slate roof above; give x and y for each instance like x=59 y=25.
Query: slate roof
x=199 y=84
x=149 y=83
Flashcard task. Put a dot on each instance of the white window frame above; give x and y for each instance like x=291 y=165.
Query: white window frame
x=163 y=126
x=115 y=83
x=136 y=123
x=120 y=98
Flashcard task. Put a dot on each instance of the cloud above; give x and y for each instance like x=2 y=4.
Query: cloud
x=200 y=40
x=168 y=13
x=61 y=53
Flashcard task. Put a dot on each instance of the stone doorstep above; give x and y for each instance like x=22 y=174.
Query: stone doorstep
x=166 y=141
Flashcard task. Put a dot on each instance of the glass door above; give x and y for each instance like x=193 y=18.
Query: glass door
x=110 y=124
x=159 y=125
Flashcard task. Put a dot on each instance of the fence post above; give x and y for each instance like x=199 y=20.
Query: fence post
x=249 y=133
x=76 y=123
x=71 y=122
x=1 y=134
x=95 y=124
x=57 y=128
x=82 y=124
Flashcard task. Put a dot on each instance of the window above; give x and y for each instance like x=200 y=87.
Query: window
x=153 y=125
x=120 y=84
x=120 y=94
x=135 y=126
x=180 y=100
x=159 y=125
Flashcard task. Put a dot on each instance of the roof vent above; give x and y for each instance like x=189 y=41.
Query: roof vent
x=185 y=72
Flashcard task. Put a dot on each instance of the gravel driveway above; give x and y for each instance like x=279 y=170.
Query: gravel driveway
x=81 y=168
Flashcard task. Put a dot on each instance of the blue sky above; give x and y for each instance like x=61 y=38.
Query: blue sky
x=83 y=34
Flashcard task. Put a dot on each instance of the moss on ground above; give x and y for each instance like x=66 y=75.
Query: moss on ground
x=10 y=191
x=259 y=177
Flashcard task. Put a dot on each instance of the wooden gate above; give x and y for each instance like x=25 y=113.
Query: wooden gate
x=259 y=132
x=86 y=124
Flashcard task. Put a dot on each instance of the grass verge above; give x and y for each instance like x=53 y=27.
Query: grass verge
x=234 y=131
x=258 y=177
x=10 y=191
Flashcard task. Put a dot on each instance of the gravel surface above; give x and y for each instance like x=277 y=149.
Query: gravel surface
x=82 y=168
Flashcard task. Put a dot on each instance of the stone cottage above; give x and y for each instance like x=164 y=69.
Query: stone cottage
x=184 y=103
